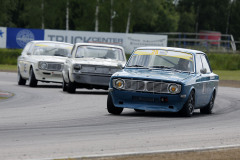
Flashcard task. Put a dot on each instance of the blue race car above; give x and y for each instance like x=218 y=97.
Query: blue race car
x=164 y=79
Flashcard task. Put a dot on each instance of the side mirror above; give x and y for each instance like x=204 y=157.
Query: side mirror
x=119 y=65
x=203 y=71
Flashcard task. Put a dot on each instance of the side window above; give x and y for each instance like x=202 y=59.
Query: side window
x=71 y=53
x=205 y=63
x=199 y=65
x=26 y=48
x=31 y=48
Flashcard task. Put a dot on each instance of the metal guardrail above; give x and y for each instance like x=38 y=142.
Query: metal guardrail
x=201 y=41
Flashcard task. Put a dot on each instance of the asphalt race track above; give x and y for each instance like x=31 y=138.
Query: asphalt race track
x=45 y=123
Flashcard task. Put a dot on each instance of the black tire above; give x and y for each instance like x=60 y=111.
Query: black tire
x=139 y=110
x=32 y=79
x=209 y=107
x=21 y=81
x=64 y=86
x=71 y=88
x=111 y=108
x=189 y=106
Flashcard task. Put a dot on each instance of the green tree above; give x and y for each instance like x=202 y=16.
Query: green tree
x=154 y=16
x=7 y=8
x=209 y=15
x=30 y=14
x=188 y=16
x=82 y=15
x=234 y=23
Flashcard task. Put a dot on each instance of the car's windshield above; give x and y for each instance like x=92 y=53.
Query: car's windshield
x=52 y=49
x=99 y=52
x=162 y=59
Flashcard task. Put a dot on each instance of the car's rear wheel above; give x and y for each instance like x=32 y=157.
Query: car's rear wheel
x=209 y=107
x=21 y=81
x=32 y=79
x=139 y=110
x=64 y=86
x=189 y=106
x=111 y=108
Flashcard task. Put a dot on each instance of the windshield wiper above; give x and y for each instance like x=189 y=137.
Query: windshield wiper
x=136 y=65
x=160 y=67
x=164 y=67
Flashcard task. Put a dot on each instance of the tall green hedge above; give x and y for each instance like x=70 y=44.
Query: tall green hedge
x=218 y=61
x=224 y=61
x=9 y=56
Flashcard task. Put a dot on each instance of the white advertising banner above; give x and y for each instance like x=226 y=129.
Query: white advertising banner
x=3 y=35
x=128 y=41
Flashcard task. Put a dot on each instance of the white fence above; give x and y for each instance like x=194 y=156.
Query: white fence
x=128 y=41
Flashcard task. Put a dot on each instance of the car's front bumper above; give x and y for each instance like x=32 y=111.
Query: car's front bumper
x=92 y=79
x=48 y=76
x=147 y=101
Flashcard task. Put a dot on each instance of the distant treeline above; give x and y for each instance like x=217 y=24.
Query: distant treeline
x=217 y=61
x=132 y=16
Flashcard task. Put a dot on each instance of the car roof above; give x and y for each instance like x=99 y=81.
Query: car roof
x=171 y=49
x=51 y=42
x=99 y=44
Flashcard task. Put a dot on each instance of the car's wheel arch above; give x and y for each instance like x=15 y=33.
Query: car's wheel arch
x=66 y=76
x=31 y=68
x=190 y=90
x=70 y=77
x=213 y=93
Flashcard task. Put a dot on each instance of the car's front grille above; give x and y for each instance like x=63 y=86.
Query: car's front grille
x=54 y=66
x=146 y=86
x=158 y=87
x=134 y=85
x=98 y=69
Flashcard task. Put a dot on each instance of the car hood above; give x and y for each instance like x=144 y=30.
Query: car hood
x=153 y=74
x=99 y=61
x=49 y=58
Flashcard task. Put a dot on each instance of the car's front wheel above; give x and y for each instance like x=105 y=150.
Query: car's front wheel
x=71 y=88
x=64 y=86
x=209 y=107
x=21 y=81
x=111 y=108
x=32 y=79
x=189 y=106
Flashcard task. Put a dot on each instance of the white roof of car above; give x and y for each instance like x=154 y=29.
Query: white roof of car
x=51 y=42
x=99 y=44
x=170 y=49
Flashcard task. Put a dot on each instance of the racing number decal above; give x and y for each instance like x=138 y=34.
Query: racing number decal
x=204 y=88
x=155 y=52
x=25 y=68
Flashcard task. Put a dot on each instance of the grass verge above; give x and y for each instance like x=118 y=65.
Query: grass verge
x=228 y=75
x=8 y=68
x=211 y=154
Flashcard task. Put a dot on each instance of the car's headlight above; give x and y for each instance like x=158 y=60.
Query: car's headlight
x=118 y=83
x=77 y=67
x=174 y=88
x=42 y=65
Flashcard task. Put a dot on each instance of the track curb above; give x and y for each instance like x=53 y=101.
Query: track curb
x=132 y=154
x=5 y=94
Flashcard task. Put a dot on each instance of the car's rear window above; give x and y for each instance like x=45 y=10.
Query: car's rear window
x=99 y=52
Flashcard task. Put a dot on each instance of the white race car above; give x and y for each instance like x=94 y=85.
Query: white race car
x=91 y=65
x=42 y=61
